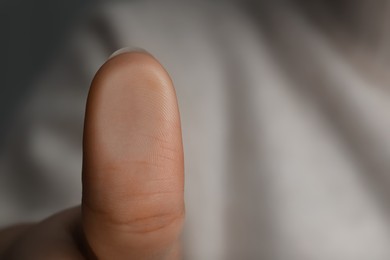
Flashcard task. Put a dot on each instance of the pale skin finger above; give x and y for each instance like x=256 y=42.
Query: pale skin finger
x=57 y=237
x=133 y=206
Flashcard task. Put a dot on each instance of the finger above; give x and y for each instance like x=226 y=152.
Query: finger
x=9 y=235
x=133 y=204
x=57 y=237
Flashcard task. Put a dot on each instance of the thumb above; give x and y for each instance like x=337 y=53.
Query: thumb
x=133 y=205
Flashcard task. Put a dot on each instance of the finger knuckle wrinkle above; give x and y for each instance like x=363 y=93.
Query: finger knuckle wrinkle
x=148 y=224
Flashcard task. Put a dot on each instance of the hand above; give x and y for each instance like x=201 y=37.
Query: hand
x=132 y=205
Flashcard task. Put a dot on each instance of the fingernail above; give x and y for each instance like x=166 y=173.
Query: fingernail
x=126 y=49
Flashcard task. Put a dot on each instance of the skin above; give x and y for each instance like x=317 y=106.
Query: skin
x=133 y=174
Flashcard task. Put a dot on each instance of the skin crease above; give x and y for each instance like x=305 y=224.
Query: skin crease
x=133 y=173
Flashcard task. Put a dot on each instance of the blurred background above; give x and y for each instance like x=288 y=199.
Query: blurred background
x=285 y=108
